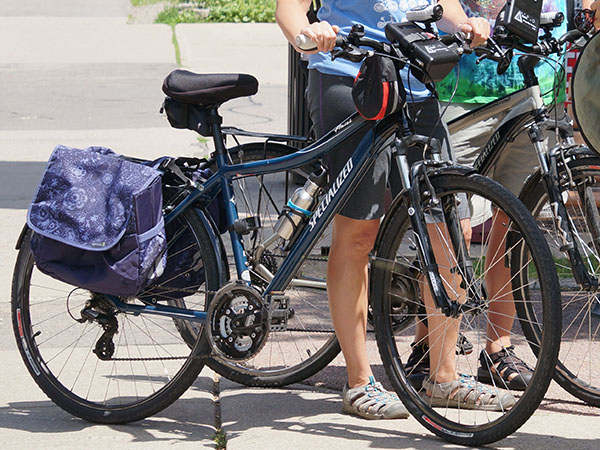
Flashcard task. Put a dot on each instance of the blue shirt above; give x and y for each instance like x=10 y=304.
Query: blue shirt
x=373 y=15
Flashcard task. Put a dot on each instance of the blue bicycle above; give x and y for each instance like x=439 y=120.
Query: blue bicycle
x=255 y=306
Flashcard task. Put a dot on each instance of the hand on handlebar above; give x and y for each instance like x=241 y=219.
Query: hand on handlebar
x=478 y=28
x=320 y=37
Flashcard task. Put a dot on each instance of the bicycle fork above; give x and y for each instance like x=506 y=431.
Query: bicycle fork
x=410 y=177
x=562 y=222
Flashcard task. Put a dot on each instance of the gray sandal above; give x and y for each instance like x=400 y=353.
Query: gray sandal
x=372 y=401
x=466 y=393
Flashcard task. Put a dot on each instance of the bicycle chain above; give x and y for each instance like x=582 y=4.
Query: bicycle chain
x=312 y=331
x=156 y=358
x=318 y=331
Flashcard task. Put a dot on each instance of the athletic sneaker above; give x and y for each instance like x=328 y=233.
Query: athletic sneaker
x=417 y=365
x=372 y=401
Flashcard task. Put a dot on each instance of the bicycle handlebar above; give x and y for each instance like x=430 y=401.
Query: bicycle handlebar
x=350 y=45
x=307 y=44
x=499 y=47
x=431 y=13
x=427 y=15
x=552 y=18
x=570 y=36
x=354 y=41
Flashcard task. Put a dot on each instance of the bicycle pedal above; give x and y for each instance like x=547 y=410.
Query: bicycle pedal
x=281 y=313
x=463 y=346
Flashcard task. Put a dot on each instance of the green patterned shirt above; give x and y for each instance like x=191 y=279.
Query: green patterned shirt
x=479 y=83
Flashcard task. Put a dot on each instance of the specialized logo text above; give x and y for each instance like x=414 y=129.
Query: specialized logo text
x=330 y=194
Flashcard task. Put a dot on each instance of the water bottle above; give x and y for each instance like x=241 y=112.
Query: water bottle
x=300 y=205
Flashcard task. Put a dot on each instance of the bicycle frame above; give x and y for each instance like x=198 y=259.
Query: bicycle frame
x=376 y=138
x=526 y=110
x=523 y=106
x=392 y=130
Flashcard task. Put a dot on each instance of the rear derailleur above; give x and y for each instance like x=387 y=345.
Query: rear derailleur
x=98 y=310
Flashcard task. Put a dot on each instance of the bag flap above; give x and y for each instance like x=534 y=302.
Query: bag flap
x=86 y=197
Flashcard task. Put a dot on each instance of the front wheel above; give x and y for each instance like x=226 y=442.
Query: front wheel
x=522 y=251
x=578 y=369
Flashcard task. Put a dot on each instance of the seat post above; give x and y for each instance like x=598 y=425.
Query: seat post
x=215 y=121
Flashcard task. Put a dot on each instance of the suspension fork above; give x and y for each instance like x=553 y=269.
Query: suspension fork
x=549 y=170
x=463 y=262
x=410 y=177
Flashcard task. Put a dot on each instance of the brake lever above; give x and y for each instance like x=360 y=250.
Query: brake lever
x=459 y=42
x=350 y=53
x=494 y=52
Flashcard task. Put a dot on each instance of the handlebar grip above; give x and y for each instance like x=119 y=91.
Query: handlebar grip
x=552 y=18
x=570 y=36
x=460 y=37
x=305 y=43
x=466 y=37
x=431 y=13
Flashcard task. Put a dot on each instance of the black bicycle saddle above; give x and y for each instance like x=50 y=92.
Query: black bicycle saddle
x=208 y=89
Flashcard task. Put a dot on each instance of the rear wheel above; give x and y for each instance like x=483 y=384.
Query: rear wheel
x=578 y=369
x=397 y=284
x=97 y=362
x=302 y=340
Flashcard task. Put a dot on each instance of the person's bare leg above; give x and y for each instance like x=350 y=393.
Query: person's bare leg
x=421 y=327
x=502 y=309
x=499 y=288
x=347 y=289
x=442 y=331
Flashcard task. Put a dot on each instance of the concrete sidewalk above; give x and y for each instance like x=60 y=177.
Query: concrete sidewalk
x=76 y=72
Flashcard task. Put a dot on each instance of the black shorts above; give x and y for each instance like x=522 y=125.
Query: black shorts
x=329 y=103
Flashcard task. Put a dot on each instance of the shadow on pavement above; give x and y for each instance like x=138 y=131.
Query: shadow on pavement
x=19 y=181
x=313 y=417
x=321 y=417
x=187 y=420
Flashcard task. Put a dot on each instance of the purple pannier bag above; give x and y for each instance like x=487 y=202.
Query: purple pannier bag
x=97 y=221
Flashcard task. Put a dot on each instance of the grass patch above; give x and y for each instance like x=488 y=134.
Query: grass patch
x=240 y=10
x=220 y=439
x=236 y=11
x=145 y=2
x=176 y=45
x=172 y=15
x=563 y=268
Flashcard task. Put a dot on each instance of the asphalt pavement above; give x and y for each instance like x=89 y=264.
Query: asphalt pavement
x=89 y=72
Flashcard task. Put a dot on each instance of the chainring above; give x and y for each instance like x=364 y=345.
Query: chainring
x=238 y=322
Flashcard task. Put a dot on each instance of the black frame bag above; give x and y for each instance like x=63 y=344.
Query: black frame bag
x=187 y=116
x=376 y=91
